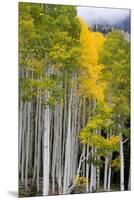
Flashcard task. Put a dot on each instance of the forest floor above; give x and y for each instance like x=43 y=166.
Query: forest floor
x=31 y=190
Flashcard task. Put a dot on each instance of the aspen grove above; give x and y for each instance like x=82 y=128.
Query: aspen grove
x=74 y=104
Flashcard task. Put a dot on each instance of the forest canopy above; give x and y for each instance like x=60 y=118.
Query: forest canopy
x=74 y=104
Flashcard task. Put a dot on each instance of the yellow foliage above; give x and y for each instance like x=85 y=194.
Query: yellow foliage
x=116 y=164
x=87 y=136
x=112 y=143
x=98 y=141
x=91 y=43
x=81 y=181
x=114 y=140
x=106 y=108
x=84 y=137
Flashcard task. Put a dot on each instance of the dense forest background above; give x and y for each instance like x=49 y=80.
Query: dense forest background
x=74 y=104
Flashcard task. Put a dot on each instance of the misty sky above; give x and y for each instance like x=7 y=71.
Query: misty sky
x=98 y=15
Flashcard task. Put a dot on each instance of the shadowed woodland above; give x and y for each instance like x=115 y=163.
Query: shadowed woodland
x=74 y=104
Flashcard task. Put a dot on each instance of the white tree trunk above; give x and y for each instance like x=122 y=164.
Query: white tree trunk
x=54 y=153
x=31 y=142
x=93 y=175
x=27 y=146
x=98 y=175
x=98 y=168
x=109 y=174
x=105 y=173
x=20 y=132
x=35 y=143
x=76 y=139
x=84 y=146
x=121 y=164
x=39 y=146
x=46 y=152
x=66 y=181
x=58 y=133
x=23 y=142
x=87 y=171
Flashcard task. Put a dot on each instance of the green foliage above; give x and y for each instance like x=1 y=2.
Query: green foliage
x=115 y=57
x=53 y=46
x=95 y=161
x=49 y=49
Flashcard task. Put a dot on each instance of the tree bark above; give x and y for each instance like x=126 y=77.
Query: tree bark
x=87 y=171
x=109 y=173
x=35 y=142
x=105 y=173
x=27 y=146
x=39 y=146
x=121 y=164
x=23 y=143
x=66 y=181
x=20 y=133
x=129 y=178
x=46 y=152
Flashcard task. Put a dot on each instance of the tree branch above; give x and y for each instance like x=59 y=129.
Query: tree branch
x=78 y=171
x=125 y=140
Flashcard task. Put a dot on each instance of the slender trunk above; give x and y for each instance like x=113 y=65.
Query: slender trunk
x=76 y=136
x=39 y=146
x=98 y=168
x=84 y=165
x=20 y=133
x=87 y=171
x=59 y=151
x=105 y=173
x=46 y=138
x=81 y=160
x=109 y=169
x=31 y=132
x=94 y=173
x=54 y=153
x=121 y=164
x=23 y=143
x=109 y=175
x=98 y=175
x=27 y=146
x=66 y=181
x=31 y=143
x=93 y=167
x=77 y=175
x=46 y=152
x=64 y=128
x=91 y=174
x=35 y=142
